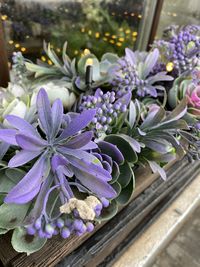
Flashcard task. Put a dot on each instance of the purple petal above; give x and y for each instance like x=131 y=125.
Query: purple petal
x=22 y=157
x=3 y=149
x=29 y=186
x=91 y=145
x=21 y=124
x=80 y=140
x=44 y=111
x=78 y=123
x=96 y=185
x=58 y=160
x=31 y=143
x=150 y=62
x=112 y=151
x=8 y=136
x=130 y=56
x=125 y=100
x=57 y=115
x=88 y=167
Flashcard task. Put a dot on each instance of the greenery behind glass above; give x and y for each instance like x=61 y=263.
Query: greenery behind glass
x=104 y=25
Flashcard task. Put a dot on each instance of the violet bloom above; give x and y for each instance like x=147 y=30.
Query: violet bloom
x=136 y=74
x=57 y=150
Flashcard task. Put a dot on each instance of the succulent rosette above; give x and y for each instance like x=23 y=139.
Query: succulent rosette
x=72 y=134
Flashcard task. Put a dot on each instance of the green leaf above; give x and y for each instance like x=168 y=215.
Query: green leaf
x=125 y=174
x=112 y=58
x=108 y=212
x=126 y=192
x=28 y=244
x=3 y=231
x=12 y=215
x=117 y=187
x=124 y=146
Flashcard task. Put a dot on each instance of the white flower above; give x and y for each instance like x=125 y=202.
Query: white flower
x=54 y=92
x=16 y=107
x=16 y=90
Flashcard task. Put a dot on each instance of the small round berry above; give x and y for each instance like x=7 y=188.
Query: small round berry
x=60 y=223
x=65 y=233
x=90 y=227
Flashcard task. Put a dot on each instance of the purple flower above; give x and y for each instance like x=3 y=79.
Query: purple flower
x=58 y=150
x=136 y=74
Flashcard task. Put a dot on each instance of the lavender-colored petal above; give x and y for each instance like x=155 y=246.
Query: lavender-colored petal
x=125 y=100
x=3 y=149
x=79 y=154
x=96 y=185
x=22 y=157
x=31 y=143
x=58 y=160
x=44 y=112
x=29 y=186
x=150 y=62
x=130 y=56
x=78 y=123
x=92 y=169
x=21 y=124
x=57 y=115
x=112 y=151
x=80 y=140
x=8 y=136
x=91 y=145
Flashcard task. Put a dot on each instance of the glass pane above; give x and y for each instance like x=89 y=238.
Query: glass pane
x=179 y=12
x=102 y=26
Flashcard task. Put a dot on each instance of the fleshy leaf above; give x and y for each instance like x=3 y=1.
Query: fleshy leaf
x=125 y=175
x=156 y=168
x=12 y=215
x=22 y=242
x=3 y=231
x=126 y=192
x=108 y=213
x=22 y=157
x=124 y=146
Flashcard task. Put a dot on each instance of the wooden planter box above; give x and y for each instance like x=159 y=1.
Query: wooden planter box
x=109 y=239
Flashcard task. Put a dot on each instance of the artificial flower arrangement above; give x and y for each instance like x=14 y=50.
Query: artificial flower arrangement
x=73 y=133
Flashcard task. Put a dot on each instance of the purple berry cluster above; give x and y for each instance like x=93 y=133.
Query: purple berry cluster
x=186 y=46
x=125 y=78
x=108 y=107
x=65 y=224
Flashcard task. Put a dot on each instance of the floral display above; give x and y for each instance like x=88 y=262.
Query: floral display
x=73 y=133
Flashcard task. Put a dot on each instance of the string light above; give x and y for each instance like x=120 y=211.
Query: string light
x=139 y=16
x=112 y=41
x=86 y=52
x=4 y=17
x=134 y=33
x=75 y=52
x=49 y=62
x=10 y=42
x=121 y=39
x=107 y=34
x=170 y=66
x=58 y=50
x=132 y=14
x=43 y=58
x=17 y=45
x=114 y=36
x=105 y=39
x=119 y=44
x=23 y=49
x=89 y=32
x=82 y=29
x=127 y=31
